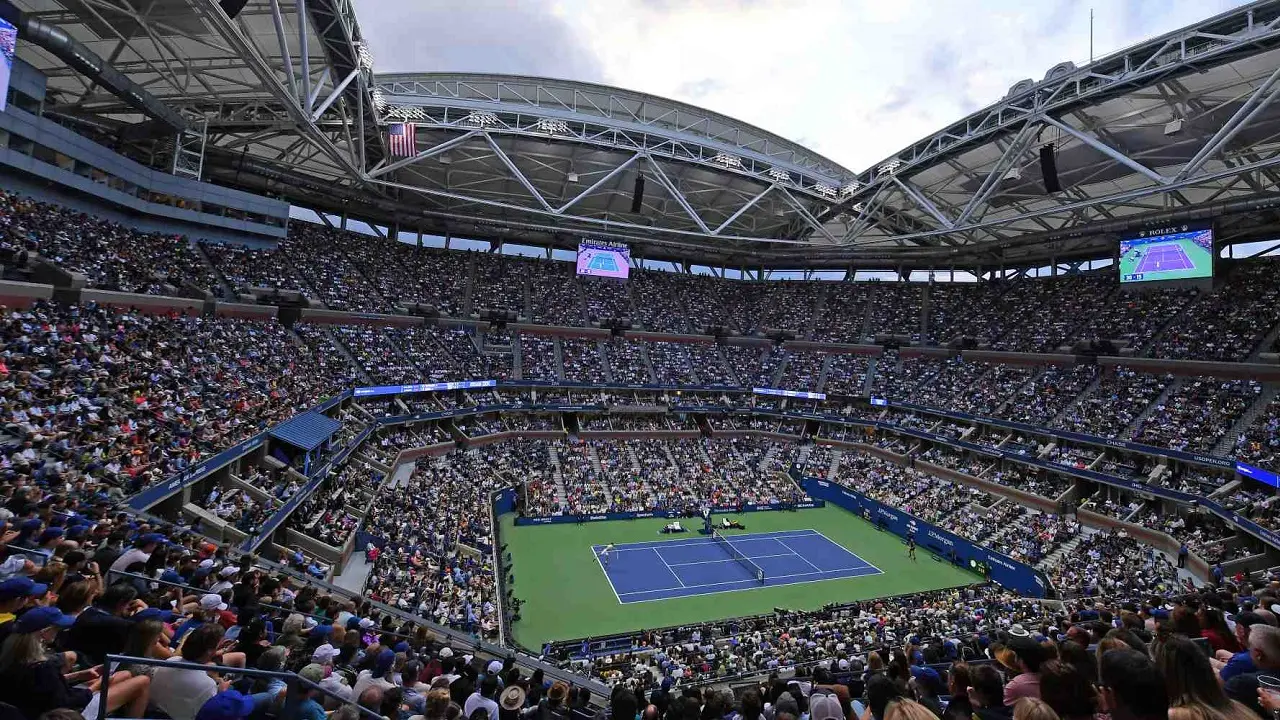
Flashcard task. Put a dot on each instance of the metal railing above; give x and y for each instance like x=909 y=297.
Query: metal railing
x=296 y=685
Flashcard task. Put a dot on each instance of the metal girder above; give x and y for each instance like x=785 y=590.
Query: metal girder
x=429 y=152
x=679 y=197
x=738 y=213
x=304 y=53
x=445 y=113
x=598 y=184
x=1107 y=150
x=1240 y=32
x=805 y=215
x=258 y=65
x=923 y=202
x=286 y=59
x=646 y=230
x=1021 y=141
x=1111 y=199
x=1257 y=102
x=337 y=92
x=515 y=171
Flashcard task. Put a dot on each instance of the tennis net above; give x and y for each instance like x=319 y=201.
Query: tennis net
x=736 y=554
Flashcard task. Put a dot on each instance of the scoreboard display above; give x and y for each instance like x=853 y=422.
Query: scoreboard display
x=604 y=259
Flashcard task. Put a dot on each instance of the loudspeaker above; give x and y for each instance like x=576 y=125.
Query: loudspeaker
x=232 y=7
x=637 y=195
x=1049 y=169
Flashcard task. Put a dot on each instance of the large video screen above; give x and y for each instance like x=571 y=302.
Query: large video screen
x=8 y=46
x=604 y=259
x=1176 y=253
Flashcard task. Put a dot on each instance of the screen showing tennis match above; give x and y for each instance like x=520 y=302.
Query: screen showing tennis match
x=1176 y=253
x=604 y=259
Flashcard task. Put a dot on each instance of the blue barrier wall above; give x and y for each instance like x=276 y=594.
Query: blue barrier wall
x=672 y=514
x=1005 y=571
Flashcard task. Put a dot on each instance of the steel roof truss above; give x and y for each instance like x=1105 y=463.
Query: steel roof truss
x=1254 y=106
x=679 y=197
x=1107 y=150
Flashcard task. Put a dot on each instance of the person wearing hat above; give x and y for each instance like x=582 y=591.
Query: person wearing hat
x=379 y=676
x=1230 y=664
x=207 y=610
x=140 y=552
x=554 y=705
x=35 y=681
x=226 y=705
x=1027 y=656
x=510 y=703
x=16 y=594
x=309 y=708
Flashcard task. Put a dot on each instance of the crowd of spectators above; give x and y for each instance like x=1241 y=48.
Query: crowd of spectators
x=111 y=255
x=1197 y=414
x=1119 y=398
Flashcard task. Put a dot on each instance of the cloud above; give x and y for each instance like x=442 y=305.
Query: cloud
x=492 y=36
x=857 y=79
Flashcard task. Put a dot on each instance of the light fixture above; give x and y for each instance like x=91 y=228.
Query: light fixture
x=889 y=167
x=779 y=174
x=365 y=55
x=1173 y=127
x=379 y=100
x=824 y=189
x=483 y=119
x=1013 y=173
x=553 y=126
x=850 y=189
x=727 y=160
x=573 y=177
x=446 y=159
x=858 y=207
x=408 y=112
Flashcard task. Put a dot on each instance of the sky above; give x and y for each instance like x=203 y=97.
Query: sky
x=856 y=80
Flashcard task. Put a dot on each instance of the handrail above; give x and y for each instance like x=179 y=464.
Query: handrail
x=292 y=681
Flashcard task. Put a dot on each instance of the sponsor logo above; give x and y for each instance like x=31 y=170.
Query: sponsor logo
x=823 y=483
x=644 y=515
x=941 y=539
x=1001 y=562
x=598 y=517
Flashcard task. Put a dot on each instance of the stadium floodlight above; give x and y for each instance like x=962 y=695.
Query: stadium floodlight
x=408 y=112
x=572 y=177
x=889 y=168
x=824 y=190
x=779 y=174
x=859 y=207
x=366 y=56
x=727 y=160
x=553 y=127
x=850 y=189
x=379 y=100
x=483 y=119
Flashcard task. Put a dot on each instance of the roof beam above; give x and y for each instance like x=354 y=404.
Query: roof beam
x=1107 y=150
x=598 y=184
x=665 y=181
x=923 y=202
x=520 y=177
x=1245 y=115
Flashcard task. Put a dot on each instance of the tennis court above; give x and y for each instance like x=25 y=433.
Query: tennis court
x=1165 y=257
x=688 y=566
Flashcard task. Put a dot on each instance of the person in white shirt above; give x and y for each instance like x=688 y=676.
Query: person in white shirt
x=483 y=698
x=181 y=693
x=140 y=552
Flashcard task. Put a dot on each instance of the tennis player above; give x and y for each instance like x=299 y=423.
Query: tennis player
x=606 y=554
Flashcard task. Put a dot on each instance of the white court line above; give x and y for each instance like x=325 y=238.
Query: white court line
x=606 y=575
x=805 y=559
x=669 y=568
x=749 y=557
x=651 y=544
x=749 y=587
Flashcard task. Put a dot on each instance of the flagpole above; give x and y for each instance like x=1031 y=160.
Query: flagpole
x=1090 y=36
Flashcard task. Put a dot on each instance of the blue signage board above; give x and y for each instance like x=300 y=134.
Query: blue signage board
x=670 y=514
x=422 y=387
x=790 y=393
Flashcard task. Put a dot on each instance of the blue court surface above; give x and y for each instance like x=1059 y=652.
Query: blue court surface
x=688 y=566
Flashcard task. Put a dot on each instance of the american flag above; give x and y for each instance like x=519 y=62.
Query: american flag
x=403 y=138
